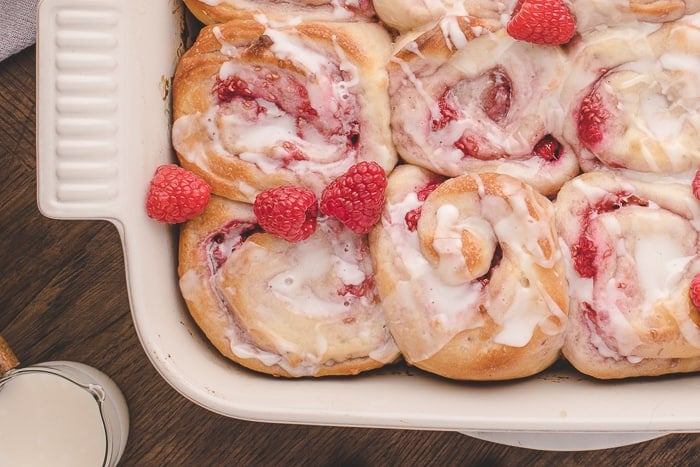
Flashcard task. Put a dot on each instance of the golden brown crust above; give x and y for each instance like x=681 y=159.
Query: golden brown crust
x=229 y=277
x=428 y=315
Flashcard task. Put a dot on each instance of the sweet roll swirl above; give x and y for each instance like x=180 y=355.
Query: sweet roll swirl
x=470 y=274
x=633 y=100
x=286 y=309
x=632 y=250
x=257 y=106
x=467 y=97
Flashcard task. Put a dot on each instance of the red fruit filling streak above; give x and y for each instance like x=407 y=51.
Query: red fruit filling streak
x=358 y=290
x=279 y=88
x=594 y=318
x=696 y=185
x=695 y=290
x=468 y=146
x=496 y=97
x=412 y=216
x=221 y=244
x=548 y=148
x=495 y=261
x=447 y=112
x=584 y=252
x=591 y=119
x=288 y=93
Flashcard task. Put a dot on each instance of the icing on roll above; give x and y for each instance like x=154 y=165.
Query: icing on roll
x=288 y=309
x=258 y=105
x=632 y=97
x=466 y=97
x=470 y=275
x=591 y=14
x=632 y=250
x=220 y=11
x=411 y=15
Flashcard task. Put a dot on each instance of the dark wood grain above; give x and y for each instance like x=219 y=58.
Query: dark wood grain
x=64 y=297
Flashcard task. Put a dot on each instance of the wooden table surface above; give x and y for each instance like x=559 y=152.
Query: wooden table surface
x=64 y=297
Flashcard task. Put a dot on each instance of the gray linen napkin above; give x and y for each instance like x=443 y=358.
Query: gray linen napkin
x=17 y=26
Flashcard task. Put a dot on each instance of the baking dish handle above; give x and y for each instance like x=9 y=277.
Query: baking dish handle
x=95 y=151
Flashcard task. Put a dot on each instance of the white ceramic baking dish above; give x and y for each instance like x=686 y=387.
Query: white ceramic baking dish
x=103 y=113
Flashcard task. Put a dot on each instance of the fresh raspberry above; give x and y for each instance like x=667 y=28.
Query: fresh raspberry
x=696 y=184
x=289 y=212
x=695 y=290
x=356 y=197
x=542 y=22
x=591 y=118
x=175 y=195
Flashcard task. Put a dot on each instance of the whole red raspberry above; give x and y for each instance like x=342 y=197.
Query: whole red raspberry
x=289 y=212
x=695 y=291
x=542 y=22
x=356 y=197
x=175 y=195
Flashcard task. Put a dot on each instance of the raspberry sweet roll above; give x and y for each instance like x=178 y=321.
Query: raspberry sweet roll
x=221 y=11
x=257 y=106
x=470 y=274
x=467 y=97
x=288 y=309
x=633 y=100
x=632 y=253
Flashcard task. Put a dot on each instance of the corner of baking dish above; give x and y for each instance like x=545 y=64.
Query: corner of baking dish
x=104 y=72
x=99 y=135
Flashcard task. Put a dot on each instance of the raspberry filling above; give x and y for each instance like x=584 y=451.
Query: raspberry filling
x=412 y=216
x=258 y=93
x=495 y=261
x=276 y=87
x=592 y=116
x=491 y=92
x=496 y=96
x=448 y=112
x=220 y=245
x=695 y=291
x=548 y=148
x=695 y=185
x=584 y=253
x=596 y=319
x=468 y=146
x=364 y=289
